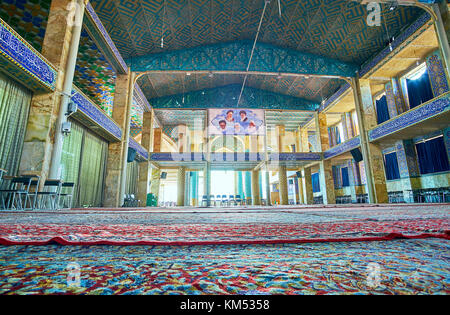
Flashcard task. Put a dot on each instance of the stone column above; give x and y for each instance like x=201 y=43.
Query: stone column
x=280 y=132
x=194 y=188
x=282 y=177
x=372 y=155
x=248 y=186
x=326 y=172
x=304 y=140
x=182 y=138
x=256 y=188
x=143 y=187
x=408 y=168
x=268 y=198
x=60 y=48
x=181 y=185
x=307 y=186
x=352 y=180
x=118 y=151
x=156 y=173
x=207 y=182
x=240 y=186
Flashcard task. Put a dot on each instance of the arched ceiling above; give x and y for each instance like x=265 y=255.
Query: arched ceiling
x=158 y=85
x=330 y=29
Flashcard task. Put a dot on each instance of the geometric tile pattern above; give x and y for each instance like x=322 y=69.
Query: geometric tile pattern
x=157 y=85
x=228 y=97
x=28 y=18
x=94 y=75
x=335 y=30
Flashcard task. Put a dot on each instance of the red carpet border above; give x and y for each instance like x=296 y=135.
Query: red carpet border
x=215 y=234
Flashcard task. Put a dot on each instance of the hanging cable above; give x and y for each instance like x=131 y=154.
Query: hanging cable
x=162 y=30
x=266 y=2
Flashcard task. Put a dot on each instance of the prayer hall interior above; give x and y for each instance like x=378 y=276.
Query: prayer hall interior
x=224 y=147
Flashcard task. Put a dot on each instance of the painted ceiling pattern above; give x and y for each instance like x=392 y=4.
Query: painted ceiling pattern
x=230 y=96
x=335 y=29
x=158 y=85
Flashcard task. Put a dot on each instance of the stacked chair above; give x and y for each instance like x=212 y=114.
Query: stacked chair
x=22 y=193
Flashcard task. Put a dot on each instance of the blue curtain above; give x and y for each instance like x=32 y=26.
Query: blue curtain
x=432 y=156
x=419 y=90
x=315 y=182
x=338 y=135
x=382 y=110
x=391 y=166
x=345 y=180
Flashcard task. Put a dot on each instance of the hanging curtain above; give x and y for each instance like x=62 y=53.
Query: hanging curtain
x=338 y=135
x=92 y=170
x=15 y=103
x=391 y=166
x=432 y=156
x=419 y=90
x=132 y=178
x=334 y=170
x=382 y=110
x=71 y=157
x=315 y=182
x=345 y=179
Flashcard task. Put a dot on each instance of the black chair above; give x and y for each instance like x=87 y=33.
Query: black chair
x=212 y=200
x=66 y=195
x=49 y=197
x=18 y=192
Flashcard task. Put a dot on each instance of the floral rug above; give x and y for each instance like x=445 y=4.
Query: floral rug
x=388 y=267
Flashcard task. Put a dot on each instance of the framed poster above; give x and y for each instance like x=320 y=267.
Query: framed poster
x=232 y=121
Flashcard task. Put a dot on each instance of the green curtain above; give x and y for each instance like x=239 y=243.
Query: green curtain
x=92 y=171
x=15 y=103
x=83 y=162
x=71 y=158
x=132 y=178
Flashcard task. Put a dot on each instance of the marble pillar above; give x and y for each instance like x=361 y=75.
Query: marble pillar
x=181 y=186
x=44 y=110
x=282 y=177
x=326 y=172
x=117 y=151
x=256 y=188
x=248 y=186
x=143 y=187
x=156 y=173
x=304 y=140
x=372 y=155
x=307 y=186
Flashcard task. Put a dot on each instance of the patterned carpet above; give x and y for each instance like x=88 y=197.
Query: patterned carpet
x=392 y=267
x=292 y=250
x=216 y=226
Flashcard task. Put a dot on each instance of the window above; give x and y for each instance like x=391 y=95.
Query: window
x=345 y=179
x=391 y=166
x=315 y=182
x=382 y=109
x=418 y=86
x=432 y=156
x=355 y=123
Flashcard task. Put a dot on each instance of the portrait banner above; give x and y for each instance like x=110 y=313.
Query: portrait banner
x=232 y=121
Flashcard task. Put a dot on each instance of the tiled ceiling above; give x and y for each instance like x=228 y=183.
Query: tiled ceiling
x=158 y=85
x=330 y=28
